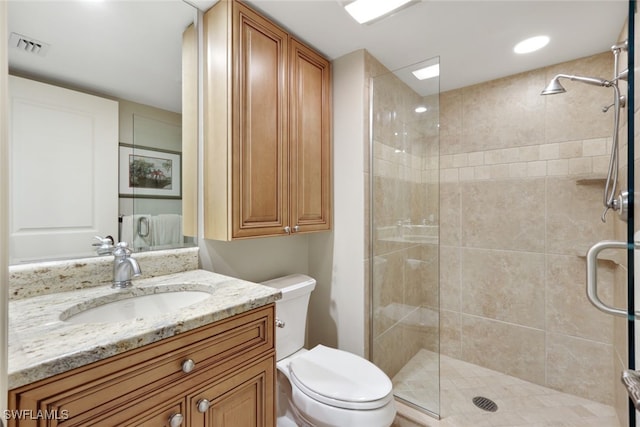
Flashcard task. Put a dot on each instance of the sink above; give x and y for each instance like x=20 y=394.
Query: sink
x=133 y=307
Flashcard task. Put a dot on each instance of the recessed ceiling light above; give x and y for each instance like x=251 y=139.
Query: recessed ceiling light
x=531 y=44
x=427 y=72
x=367 y=10
x=421 y=109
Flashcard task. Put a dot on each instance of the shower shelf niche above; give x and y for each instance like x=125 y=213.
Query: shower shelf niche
x=600 y=180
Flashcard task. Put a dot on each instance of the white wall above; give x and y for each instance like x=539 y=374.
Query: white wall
x=256 y=260
x=336 y=259
x=4 y=197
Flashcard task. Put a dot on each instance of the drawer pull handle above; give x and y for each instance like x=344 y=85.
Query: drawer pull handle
x=175 y=420
x=203 y=405
x=280 y=323
x=188 y=365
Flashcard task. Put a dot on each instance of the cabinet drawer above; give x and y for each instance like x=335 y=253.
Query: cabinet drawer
x=92 y=392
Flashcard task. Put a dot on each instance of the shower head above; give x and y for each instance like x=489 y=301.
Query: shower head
x=554 y=85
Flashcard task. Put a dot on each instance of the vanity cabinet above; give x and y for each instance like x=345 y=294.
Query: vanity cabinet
x=267 y=128
x=221 y=374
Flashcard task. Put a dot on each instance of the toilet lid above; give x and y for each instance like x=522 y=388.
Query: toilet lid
x=340 y=379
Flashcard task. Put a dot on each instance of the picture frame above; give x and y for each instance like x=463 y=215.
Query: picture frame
x=149 y=172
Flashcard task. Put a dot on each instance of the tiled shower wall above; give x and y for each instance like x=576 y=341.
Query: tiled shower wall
x=521 y=198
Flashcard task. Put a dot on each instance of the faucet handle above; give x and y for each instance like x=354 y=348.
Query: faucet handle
x=105 y=247
x=122 y=249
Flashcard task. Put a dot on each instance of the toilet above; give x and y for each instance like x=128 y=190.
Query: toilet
x=323 y=387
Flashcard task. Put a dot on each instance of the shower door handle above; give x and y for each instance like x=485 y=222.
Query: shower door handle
x=592 y=276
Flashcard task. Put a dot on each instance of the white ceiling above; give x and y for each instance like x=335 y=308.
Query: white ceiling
x=473 y=39
x=131 y=49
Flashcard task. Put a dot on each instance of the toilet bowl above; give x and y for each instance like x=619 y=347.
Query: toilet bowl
x=323 y=387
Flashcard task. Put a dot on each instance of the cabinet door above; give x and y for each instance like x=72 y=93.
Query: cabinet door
x=245 y=399
x=310 y=139
x=259 y=134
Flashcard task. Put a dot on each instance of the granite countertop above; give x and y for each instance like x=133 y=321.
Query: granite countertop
x=41 y=345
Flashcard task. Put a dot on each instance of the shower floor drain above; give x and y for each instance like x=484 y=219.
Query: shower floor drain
x=485 y=404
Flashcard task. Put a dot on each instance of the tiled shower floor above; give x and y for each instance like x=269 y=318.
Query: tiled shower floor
x=520 y=403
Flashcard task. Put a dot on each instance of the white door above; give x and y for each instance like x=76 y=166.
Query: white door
x=63 y=171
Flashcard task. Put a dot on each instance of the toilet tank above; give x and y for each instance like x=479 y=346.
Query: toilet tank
x=291 y=310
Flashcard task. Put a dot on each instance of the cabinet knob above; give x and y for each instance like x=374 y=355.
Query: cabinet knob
x=287 y=229
x=188 y=365
x=296 y=228
x=279 y=323
x=175 y=420
x=203 y=405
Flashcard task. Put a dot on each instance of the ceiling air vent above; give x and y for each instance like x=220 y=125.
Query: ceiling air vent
x=28 y=44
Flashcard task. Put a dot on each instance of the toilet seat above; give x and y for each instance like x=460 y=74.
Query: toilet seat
x=340 y=379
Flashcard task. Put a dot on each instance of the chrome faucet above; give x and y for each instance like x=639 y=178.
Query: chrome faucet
x=124 y=267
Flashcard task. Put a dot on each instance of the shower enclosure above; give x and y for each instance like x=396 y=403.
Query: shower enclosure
x=404 y=323
x=484 y=201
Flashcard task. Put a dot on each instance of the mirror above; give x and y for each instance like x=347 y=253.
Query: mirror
x=126 y=51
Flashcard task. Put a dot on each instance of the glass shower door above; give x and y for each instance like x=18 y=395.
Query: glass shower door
x=405 y=320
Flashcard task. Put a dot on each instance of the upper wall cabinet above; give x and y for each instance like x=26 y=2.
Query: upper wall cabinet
x=267 y=129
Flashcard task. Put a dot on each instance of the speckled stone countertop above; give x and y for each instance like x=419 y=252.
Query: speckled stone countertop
x=41 y=345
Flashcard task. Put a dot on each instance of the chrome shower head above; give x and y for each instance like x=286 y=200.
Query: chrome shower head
x=554 y=85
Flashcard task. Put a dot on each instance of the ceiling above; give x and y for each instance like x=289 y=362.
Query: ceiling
x=131 y=49
x=473 y=39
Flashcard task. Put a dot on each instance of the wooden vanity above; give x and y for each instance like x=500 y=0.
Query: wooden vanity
x=210 y=363
x=220 y=374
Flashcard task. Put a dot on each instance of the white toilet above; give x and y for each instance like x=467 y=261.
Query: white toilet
x=323 y=387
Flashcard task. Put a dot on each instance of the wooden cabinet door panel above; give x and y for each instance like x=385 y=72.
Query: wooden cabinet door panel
x=259 y=145
x=245 y=400
x=310 y=139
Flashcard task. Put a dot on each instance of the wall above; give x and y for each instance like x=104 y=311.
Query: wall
x=521 y=198
x=336 y=259
x=4 y=209
x=147 y=126
x=256 y=260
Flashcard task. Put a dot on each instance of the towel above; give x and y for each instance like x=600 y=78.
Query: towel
x=166 y=229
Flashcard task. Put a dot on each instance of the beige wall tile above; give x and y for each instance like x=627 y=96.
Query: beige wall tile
x=573 y=217
x=558 y=167
x=504 y=347
x=450 y=278
x=568 y=310
x=580 y=166
x=580 y=367
x=450 y=330
x=450 y=214
x=594 y=147
x=504 y=285
x=491 y=122
x=504 y=214
x=577 y=113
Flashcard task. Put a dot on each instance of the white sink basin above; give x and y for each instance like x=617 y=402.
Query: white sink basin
x=136 y=307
